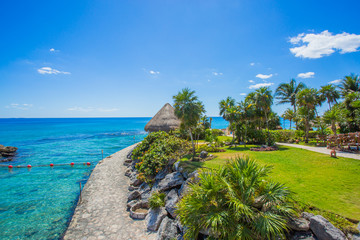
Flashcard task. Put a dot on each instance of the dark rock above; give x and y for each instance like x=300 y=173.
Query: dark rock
x=127 y=162
x=167 y=230
x=170 y=202
x=135 y=181
x=324 y=230
x=307 y=215
x=128 y=172
x=7 y=151
x=154 y=218
x=129 y=155
x=194 y=177
x=6 y=159
x=134 y=195
x=176 y=166
x=303 y=236
x=132 y=188
x=203 y=154
x=161 y=175
x=170 y=181
x=298 y=224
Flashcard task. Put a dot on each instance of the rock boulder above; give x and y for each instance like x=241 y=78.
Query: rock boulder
x=172 y=180
x=167 y=230
x=324 y=230
x=170 y=202
x=154 y=218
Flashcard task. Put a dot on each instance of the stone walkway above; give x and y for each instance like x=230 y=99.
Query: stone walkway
x=102 y=212
x=323 y=150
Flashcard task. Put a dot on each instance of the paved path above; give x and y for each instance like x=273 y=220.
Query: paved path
x=102 y=212
x=323 y=150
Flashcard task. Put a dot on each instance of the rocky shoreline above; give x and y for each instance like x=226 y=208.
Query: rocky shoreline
x=174 y=182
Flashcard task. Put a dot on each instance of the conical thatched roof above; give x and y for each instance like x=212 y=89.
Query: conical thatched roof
x=164 y=120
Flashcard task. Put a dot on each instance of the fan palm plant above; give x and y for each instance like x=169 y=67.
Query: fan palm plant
x=236 y=202
x=189 y=110
x=226 y=108
x=350 y=84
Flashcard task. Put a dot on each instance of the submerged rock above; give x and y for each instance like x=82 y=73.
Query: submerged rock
x=324 y=230
x=7 y=151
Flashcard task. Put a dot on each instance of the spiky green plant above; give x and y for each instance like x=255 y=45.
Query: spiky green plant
x=236 y=202
x=157 y=200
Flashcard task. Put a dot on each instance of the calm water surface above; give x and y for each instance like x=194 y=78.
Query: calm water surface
x=38 y=203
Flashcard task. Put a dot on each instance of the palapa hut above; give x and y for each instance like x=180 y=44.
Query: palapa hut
x=164 y=120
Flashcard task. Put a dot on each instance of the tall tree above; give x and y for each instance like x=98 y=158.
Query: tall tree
x=350 y=84
x=189 y=110
x=329 y=93
x=331 y=117
x=264 y=100
x=289 y=115
x=224 y=108
x=307 y=100
x=286 y=93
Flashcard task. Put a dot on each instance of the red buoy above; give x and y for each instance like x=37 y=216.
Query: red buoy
x=51 y=164
x=72 y=164
x=29 y=166
x=10 y=166
x=88 y=163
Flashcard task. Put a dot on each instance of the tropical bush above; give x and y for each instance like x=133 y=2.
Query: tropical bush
x=155 y=151
x=283 y=135
x=217 y=132
x=157 y=200
x=209 y=148
x=237 y=201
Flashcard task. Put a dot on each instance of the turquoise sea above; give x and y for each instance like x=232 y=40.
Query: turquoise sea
x=38 y=203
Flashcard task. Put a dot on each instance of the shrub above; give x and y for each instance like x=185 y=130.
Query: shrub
x=207 y=148
x=157 y=200
x=154 y=153
x=217 y=132
x=237 y=201
x=283 y=135
x=299 y=133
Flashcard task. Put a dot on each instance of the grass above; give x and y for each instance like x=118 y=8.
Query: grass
x=331 y=184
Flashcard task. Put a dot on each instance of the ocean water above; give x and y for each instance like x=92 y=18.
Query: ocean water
x=38 y=203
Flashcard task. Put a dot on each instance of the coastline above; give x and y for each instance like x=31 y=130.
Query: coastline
x=102 y=214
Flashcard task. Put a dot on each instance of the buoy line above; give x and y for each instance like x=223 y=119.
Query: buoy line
x=47 y=165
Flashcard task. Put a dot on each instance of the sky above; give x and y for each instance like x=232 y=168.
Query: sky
x=110 y=58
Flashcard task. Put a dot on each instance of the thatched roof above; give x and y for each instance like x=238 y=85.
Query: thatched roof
x=164 y=120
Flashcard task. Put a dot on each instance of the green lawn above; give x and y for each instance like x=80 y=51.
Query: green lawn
x=316 y=179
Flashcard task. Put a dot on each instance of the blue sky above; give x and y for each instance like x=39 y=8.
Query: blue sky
x=128 y=58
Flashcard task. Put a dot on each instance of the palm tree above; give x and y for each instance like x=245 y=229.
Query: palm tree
x=331 y=117
x=350 y=84
x=225 y=112
x=189 y=110
x=307 y=99
x=237 y=201
x=264 y=100
x=286 y=93
x=289 y=115
x=329 y=93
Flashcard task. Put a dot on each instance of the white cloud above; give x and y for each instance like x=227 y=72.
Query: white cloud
x=53 y=50
x=242 y=94
x=152 y=72
x=251 y=81
x=323 y=44
x=92 y=109
x=217 y=73
x=24 y=106
x=306 y=75
x=252 y=64
x=49 y=70
x=336 y=81
x=264 y=76
x=259 y=85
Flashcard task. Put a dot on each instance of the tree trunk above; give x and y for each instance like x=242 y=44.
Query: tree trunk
x=333 y=127
x=192 y=142
x=329 y=105
x=290 y=124
x=267 y=126
x=296 y=123
x=307 y=131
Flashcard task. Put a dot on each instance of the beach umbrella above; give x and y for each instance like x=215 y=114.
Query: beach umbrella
x=164 y=120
